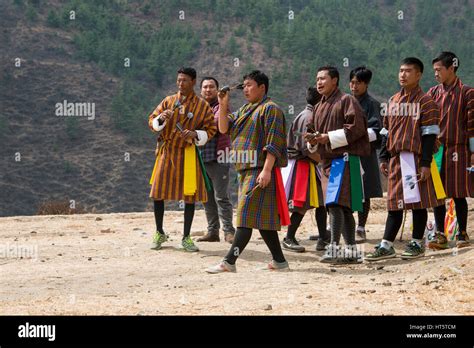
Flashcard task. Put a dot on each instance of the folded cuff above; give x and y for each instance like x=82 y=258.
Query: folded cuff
x=337 y=138
x=372 y=134
x=430 y=130
x=201 y=138
x=156 y=126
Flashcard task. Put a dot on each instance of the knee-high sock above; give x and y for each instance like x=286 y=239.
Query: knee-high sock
x=461 y=213
x=321 y=220
x=337 y=223
x=159 y=209
x=241 y=239
x=393 y=224
x=440 y=215
x=273 y=243
x=348 y=230
x=188 y=218
x=295 y=219
x=420 y=218
x=362 y=216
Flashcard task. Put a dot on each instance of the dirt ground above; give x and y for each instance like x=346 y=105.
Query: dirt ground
x=97 y=264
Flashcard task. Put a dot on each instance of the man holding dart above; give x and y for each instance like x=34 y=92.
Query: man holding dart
x=181 y=120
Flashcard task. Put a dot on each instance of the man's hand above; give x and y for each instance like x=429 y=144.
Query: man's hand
x=264 y=178
x=165 y=115
x=188 y=135
x=384 y=168
x=425 y=173
x=223 y=98
x=310 y=138
x=322 y=138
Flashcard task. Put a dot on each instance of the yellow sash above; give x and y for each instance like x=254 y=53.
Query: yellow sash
x=190 y=181
x=438 y=185
x=154 y=171
x=313 y=187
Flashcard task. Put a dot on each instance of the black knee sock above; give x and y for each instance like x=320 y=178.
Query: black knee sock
x=420 y=218
x=364 y=214
x=348 y=230
x=296 y=219
x=188 y=218
x=461 y=213
x=321 y=220
x=337 y=223
x=273 y=243
x=159 y=208
x=440 y=215
x=393 y=224
x=241 y=239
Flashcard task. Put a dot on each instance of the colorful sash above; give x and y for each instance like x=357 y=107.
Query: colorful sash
x=411 y=191
x=152 y=179
x=190 y=180
x=287 y=175
x=357 y=194
x=282 y=204
x=335 y=180
x=207 y=181
x=438 y=185
x=438 y=157
x=313 y=187
x=301 y=183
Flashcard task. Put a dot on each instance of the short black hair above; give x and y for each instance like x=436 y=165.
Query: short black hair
x=414 y=61
x=209 y=78
x=312 y=96
x=188 y=71
x=447 y=59
x=258 y=77
x=332 y=71
x=362 y=74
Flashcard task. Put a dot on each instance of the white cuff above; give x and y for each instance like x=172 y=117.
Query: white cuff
x=384 y=131
x=337 y=138
x=471 y=144
x=311 y=148
x=156 y=125
x=372 y=134
x=201 y=138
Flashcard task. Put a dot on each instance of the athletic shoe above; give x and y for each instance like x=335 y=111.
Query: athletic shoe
x=360 y=236
x=381 y=253
x=439 y=242
x=292 y=245
x=159 y=239
x=276 y=266
x=222 y=267
x=413 y=251
x=187 y=244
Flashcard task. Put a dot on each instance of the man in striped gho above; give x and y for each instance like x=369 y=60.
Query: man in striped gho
x=181 y=121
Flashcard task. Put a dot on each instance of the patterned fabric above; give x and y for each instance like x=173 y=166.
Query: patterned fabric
x=370 y=164
x=217 y=143
x=260 y=128
x=456 y=105
x=298 y=150
x=341 y=111
x=194 y=114
x=404 y=134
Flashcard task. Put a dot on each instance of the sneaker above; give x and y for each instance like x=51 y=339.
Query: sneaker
x=349 y=255
x=276 y=266
x=209 y=237
x=360 y=236
x=229 y=237
x=330 y=256
x=439 y=242
x=292 y=244
x=222 y=267
x=158 y=240
x=413 y=251
x=187 y=244
x=463 y=240
x=321 y=244
x=381 y=253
